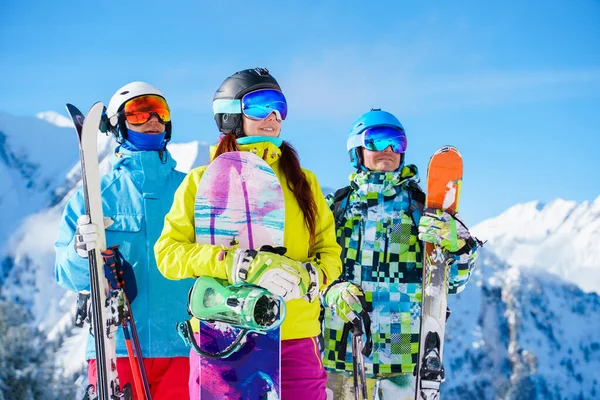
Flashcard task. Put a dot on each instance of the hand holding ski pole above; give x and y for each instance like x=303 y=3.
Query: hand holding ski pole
x=119 y=272
x=345 y=299
x=86 y=235
x=445 y=230
x=270 y=269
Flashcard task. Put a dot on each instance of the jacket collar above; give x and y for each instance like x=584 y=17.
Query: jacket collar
x=383 y=183
x=146 y=168
x=266 y=150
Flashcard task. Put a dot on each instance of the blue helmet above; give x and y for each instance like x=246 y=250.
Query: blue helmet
x=375 y=117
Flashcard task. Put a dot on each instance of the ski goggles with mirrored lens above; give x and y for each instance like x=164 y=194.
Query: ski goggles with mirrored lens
x=379 y=138
x=139 y=109
x=261 y=103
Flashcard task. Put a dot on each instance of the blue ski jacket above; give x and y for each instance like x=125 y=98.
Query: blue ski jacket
x=136 y=194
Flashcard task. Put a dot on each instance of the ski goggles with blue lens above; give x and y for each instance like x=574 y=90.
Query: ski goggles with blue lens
x=379 y=138
x=261 y=103
x=256 y=105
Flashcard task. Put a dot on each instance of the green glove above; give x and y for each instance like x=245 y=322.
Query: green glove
x=273 y=271
x=443 y=229
x=344 y=298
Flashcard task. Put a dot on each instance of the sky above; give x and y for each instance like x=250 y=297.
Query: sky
x=514 y=85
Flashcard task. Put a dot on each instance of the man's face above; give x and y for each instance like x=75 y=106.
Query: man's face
x=381 y=161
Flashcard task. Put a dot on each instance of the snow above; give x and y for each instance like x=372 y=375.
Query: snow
x=55 y=119
x=35 y=156
x=560 y=237
x=189 y=155
x=432 y=291
x=516 y=330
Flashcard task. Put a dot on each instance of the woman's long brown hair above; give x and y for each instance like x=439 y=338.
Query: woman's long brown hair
x=296 y=180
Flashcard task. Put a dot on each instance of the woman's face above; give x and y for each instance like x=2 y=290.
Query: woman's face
x=265 y=127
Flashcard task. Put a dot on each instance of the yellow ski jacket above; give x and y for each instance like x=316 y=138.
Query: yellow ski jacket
x=178 y=255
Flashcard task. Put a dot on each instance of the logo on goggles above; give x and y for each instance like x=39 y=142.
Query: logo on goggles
x=379 y=138
x=139 y=109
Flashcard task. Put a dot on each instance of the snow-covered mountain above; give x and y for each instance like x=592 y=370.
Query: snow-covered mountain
x=561 y=237
x=55 y=119
x=519 y=333
x=520 y=330
x=35 y=157
x=524 y=327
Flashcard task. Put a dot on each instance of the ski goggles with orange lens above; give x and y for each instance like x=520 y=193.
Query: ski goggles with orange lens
x=379 y=138
x=139 y=109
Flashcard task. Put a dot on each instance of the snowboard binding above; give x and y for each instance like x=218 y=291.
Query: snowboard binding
x=246 y=307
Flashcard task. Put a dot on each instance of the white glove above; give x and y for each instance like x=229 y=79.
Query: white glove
x=270 y=269
x=86 y=234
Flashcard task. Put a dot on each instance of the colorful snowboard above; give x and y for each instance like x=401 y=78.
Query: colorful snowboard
x=444 y=182
x=239 y=200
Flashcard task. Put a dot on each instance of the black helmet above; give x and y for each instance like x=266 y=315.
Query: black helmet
x=234 y=88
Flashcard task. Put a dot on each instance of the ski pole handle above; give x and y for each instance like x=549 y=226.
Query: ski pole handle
x=357 y=327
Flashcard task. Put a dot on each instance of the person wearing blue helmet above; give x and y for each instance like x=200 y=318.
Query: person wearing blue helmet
x=380 y=224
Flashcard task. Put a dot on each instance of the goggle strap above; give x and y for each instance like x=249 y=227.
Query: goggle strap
x=355 y=141
x=226 y=106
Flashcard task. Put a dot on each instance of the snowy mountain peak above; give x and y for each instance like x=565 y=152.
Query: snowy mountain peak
x=596 y=205
x=521 y=334
x=189 y=155
x=561 y=237
x=55 y=119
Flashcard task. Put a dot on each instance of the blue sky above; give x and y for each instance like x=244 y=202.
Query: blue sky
x=514 y=85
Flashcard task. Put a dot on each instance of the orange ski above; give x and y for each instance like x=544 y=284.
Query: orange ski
x=444 y=182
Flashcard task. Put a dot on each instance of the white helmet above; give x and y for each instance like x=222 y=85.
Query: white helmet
x=124 y=94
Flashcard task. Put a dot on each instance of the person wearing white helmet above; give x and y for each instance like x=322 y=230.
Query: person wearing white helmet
x=380 y=223
x=136 y=196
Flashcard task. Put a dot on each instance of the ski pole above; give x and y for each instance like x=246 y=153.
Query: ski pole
x=138 y=351
x=135 y=368
x=138 y=370
x=358 y=367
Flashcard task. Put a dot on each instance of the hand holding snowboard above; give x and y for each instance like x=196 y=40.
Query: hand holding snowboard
x=270 y=269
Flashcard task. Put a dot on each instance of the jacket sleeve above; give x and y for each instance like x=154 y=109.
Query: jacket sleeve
x=329 y=201
x=461 y=269
x=326 y=245
x=71 y=271
x=178 y=256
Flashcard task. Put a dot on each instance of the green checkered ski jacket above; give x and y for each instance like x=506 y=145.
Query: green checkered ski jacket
x=382 y=254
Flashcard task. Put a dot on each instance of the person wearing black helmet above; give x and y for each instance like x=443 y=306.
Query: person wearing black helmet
x=379 y=221
x=249 y=108
x=136 y=195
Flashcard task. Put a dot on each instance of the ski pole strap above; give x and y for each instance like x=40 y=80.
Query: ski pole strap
x=364 y=320
x=470 y=243
x=119 y=272
x=82 y=313
x=344 y=342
